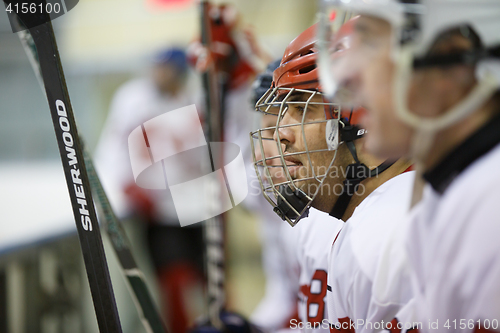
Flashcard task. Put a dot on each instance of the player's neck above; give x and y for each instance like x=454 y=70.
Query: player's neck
x=450 y=138
x=370 y=184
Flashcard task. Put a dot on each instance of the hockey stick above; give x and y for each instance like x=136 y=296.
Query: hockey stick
x=213 y=227
x=146 y=308
x=141 y=296
x=70 y=150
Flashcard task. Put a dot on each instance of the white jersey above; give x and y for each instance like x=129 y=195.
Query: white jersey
x=296 y=264
x=366 y=289
x=454 y=240
x=315 y=238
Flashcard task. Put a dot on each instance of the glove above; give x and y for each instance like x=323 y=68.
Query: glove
x=141 y=202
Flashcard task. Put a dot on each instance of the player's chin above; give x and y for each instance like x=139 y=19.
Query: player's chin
x=296 y=171
x=383 y=148
x=307 y=186
x=373 y=145
x=277 y=176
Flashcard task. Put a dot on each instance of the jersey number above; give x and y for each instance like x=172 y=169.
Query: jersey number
x=317 y=298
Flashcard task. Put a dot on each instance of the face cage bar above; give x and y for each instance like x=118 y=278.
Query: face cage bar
x=266 y=104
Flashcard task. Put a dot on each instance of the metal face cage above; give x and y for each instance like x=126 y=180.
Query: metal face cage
x=291 y=193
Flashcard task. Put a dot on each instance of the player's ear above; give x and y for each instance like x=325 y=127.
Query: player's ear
x=454 y=82
x=457 y=82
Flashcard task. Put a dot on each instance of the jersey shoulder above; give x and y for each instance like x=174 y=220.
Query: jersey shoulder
x=315 y=239
x=136 y=88
x=470 y=205
x=356 y=251
x=373 y=223
x=454 y=238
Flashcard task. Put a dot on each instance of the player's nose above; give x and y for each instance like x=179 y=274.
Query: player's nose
x=258 y=152
x=284 y=133
x=351 y=88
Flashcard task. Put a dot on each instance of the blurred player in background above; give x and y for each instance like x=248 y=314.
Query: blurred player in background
x=177 y=253
x=237 y=57
x=324 y=166
x=429 y=72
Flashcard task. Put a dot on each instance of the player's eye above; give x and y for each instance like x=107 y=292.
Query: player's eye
x=294 y=107
x=300 y=109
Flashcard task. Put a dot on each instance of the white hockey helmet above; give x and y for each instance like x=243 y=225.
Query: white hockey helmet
x=416 y=24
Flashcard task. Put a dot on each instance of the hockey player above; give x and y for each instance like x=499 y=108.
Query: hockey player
x=330 y=173
x=177 y=253
x=429 y=71
x=304 y=246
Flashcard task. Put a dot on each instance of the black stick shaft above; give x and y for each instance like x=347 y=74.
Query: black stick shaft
x=76 y=178
x=148 y=312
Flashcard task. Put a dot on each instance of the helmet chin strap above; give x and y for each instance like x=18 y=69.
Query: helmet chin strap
x=487 y=85
x=290 y=202
x=355 y=173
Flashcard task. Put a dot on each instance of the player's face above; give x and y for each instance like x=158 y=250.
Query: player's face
x=387 y=136
x=166 y=77
x=365 y=73
x=297 y=138
x=431 y=91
